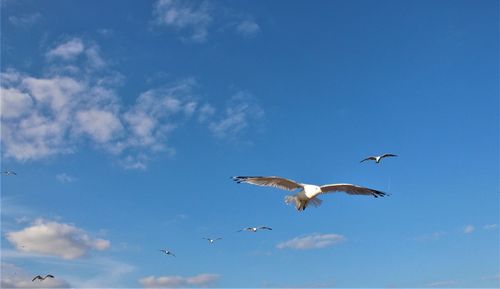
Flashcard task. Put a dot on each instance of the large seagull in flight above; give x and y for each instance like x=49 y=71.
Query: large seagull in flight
x=308 y=193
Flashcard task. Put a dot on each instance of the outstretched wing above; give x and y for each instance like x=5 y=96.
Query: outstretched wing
x=387 y=155
x=265 y=228
x=351 y=190
x=49 y=276
x=218 y=239
x=36 y=277
x=276 y=182
x=369 y=159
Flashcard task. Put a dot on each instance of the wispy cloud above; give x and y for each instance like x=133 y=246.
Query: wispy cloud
x=55 y=239
x=446 y=283
x=26 y=19
x=241 y=111
x=201 y=280
x=313 y=241
x=431 y=237
x=196 y=19
x=67 y=50
x=490 y=226
x=491 y=277
x=45 y=116
x=469 y=229
x=248 y=28
x=110 y=273
x=184 y=15
x=65 y=178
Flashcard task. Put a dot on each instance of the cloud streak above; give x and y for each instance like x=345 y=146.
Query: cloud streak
x=201 y=280
x=65 y=178
x=68 y=50
x=446 y=283
x=312 y=241
x=184 y=15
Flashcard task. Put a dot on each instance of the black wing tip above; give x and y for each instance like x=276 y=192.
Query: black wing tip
x=241 y=179
x=377 y=194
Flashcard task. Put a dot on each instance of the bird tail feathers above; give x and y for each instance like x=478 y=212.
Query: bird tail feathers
x=300 y=205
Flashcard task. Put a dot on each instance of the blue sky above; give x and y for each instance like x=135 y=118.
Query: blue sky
x=125 y=119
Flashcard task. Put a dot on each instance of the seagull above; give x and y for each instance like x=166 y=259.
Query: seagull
x=255 y=229
x=377 y=159
x=42 y=278
x=9 y=173
x=211 y=241
x=308 y=193
x=167 y=252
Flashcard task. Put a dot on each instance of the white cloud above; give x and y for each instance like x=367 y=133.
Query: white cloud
x=238 y=116
x=14 y=103
x=201 y=280
x=469 y=229
x=184 y=15
x=205 y=112
x=55 y=239
x=102 y=126
x=94 y=57
x=446 y=283
x=65 y=178
x=45 y=116
x=313 y=241
x=68 y=50
x=490 y=226
x=25 y=20
x=248 y=28
x=15 y=277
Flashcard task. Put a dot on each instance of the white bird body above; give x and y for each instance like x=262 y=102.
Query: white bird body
x=307 y=193
x=211 y=241
x=311 y=191
x=167 y=252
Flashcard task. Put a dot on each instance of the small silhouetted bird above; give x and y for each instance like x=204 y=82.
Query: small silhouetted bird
x=255 y=229
x=167 y=252
x=211 y=241
x=377 y=159
x=42 y=278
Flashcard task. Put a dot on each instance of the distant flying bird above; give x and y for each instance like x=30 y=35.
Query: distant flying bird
x=211 y=241
x=9 y=173
x=167 y=252
x=308 y=193
x=377 y=159
x=42 y=278
x=255 y=229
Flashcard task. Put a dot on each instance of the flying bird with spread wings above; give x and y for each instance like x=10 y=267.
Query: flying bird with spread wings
x=377 y=159
x=255 y=229
x=211 y=241
x=38 y=277
x=308 y=193
x=9 y=173
x=167 y=252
